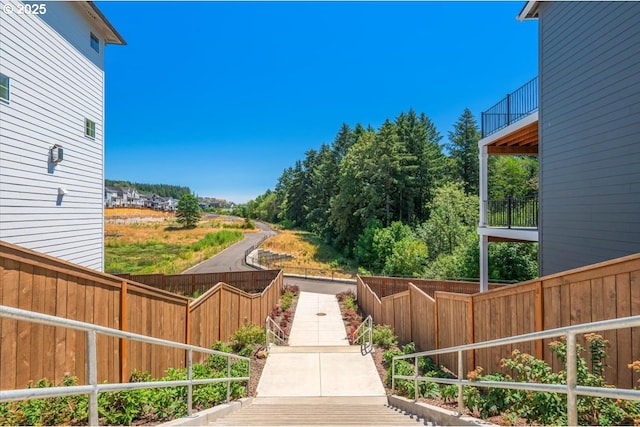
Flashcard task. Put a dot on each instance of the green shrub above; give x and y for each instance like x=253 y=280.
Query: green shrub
x=346 y=294
x=384 y=337
x=245 y=337
x=50 y=411
x=286 y=300
x=295 y=289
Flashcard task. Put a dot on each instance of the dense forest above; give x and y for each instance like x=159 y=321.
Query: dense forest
x=400 y=201
x=163 y=190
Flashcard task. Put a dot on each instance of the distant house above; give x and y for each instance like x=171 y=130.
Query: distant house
x=111 y=197
x=581 y=117
x=123 y=197
x=52 y=128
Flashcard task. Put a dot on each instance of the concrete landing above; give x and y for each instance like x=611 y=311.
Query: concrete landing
x=319 y=362
x=317 y=322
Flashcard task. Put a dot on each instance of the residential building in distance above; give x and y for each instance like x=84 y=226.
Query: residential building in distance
x=581 y=117
x=52 y=128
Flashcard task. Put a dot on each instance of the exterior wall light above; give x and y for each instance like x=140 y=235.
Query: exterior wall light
x=57 y=154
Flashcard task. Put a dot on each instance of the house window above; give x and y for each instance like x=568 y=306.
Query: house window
x=4 y=87
x=95 y=42
x=89 y=128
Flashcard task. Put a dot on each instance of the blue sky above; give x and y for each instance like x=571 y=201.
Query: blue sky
x=222 y=96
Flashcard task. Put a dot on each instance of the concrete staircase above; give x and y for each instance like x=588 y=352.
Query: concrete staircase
x=318 y=411
x=318 y=379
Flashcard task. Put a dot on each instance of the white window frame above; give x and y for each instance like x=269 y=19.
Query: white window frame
x=89 y=128
x=8 y=80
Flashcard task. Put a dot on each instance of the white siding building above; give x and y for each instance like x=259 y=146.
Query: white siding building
x=52 y=128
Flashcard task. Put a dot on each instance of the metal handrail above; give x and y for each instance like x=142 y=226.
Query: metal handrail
x=365 y=329
x=572 y=389
x=93 y=388
x=279 y=336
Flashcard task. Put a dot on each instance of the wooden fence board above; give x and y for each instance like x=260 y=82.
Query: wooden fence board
x=49 y=332
x=38 y=283
x=8 y=347
x=608 y=306
x=423 y=327
x=623 y=336
x=634 y=285
x=24 y=328
x=453 y=327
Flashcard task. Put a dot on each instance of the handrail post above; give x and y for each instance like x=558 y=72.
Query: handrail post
x=415 y=380
x=460 y=376
x=228 y=379
x=190 y=378
x=266 y=332
x=248 y=391
x=572 y=380
x=393 y=376
x=92 y=377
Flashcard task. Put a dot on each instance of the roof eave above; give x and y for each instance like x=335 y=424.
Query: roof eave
x=529 y=11
x=111 y=34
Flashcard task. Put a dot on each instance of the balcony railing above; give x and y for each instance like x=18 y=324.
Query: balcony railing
x=512 y=108
x=513 y=212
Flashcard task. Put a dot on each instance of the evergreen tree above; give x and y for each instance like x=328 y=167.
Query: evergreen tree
x=188 y=211
x=463 y=149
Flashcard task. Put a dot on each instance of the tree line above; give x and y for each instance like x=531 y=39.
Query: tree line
x=400 y=201
x=163 y=190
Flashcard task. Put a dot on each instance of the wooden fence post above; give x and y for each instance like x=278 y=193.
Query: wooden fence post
x=124 y=377
x=436 y=323
x=539 y=319
x=187 y=331
x=471 y=332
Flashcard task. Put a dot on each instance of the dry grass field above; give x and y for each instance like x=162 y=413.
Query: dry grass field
x=308 y=251
x=146 y=241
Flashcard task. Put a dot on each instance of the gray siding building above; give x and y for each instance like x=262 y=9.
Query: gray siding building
x=581 y=117
x=589 y=125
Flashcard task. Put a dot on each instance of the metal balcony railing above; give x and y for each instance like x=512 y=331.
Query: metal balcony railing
x=512 y=212
x=512 y=108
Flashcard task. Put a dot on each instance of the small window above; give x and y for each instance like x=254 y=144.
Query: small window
x=95 y=42
x=89 y=128
x=4 y=87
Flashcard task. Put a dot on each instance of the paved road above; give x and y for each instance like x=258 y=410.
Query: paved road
x=231 y=259
x=319 y=286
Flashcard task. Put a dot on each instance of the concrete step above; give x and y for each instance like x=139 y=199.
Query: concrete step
x=314 y=349
x=299 y=413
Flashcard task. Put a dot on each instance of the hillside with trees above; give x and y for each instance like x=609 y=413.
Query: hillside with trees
x=400 y=201
x=163 y=190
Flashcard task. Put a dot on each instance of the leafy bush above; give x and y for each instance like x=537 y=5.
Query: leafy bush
x=51 y=411
x=488 y=401
x=245 y=337
x=384 y=337
x=345 y=294
x=286 y=300
x=295 y=289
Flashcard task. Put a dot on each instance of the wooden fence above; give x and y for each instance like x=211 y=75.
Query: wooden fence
x=218 y=313
x=37 y=282
x=385 y=286
x=601 y=291
x=190 y=284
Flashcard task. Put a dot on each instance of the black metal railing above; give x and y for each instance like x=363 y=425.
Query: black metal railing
x=512 y=108
x=513 y=212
